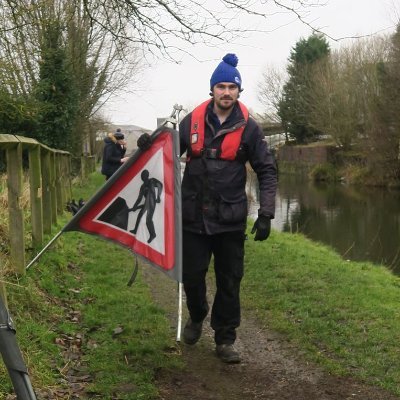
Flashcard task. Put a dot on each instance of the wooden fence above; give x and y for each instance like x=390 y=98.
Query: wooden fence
x=50 y=178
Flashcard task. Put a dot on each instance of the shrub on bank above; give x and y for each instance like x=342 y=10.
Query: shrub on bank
x=324 y=173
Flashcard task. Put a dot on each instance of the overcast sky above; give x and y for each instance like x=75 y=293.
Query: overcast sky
x=164 y=84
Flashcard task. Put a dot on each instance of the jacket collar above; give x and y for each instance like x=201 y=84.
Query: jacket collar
x=233 y=117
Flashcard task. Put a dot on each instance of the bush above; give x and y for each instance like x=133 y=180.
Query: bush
x=324 y=173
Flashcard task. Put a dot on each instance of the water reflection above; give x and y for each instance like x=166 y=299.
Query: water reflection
x=359 y=223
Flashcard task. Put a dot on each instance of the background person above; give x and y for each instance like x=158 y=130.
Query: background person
x=113 y=153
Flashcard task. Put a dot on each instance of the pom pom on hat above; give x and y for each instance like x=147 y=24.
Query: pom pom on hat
x=226 y=71
x=231 y=59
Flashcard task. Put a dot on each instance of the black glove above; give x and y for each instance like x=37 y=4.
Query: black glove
x=262 y=228
x=144 y=141
x=74 y=207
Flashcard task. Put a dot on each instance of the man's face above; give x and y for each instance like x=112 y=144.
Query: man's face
x=225 y=95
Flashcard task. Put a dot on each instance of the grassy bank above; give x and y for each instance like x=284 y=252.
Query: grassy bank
x=344 y=315
x=79 y=324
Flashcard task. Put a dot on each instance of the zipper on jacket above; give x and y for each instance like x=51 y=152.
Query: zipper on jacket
x=228 y=130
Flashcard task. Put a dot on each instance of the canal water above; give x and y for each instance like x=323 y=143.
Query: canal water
x=359 y=223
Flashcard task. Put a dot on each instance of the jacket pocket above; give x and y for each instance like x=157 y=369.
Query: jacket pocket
x=190 y=208
x=232 y=211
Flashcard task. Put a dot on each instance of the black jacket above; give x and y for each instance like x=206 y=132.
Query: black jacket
x=213 y=190
x=112 y=154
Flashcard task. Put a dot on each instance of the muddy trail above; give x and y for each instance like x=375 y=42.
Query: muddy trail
x=270 y=369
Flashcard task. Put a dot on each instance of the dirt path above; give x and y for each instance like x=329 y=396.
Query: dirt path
x=270 y=369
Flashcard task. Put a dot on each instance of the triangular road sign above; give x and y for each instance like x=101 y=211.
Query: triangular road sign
x=139 y=206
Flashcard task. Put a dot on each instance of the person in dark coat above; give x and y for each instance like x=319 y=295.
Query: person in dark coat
x=220 y=138
x=113 y=153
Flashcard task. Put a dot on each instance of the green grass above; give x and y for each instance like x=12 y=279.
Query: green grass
x=344 y=315
x=88 y=276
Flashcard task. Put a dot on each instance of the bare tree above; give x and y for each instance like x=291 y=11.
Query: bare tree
x=103 y=37
x=22 y=24
x=100 y=64
x=384 y=159
x=271 y=91
x=19 y=69
x=162 y=27
x=345 y=90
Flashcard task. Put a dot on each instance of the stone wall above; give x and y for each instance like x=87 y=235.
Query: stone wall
x=311 y=155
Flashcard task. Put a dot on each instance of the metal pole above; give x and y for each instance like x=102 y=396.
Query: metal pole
x=179 y=327
x=44 y=249
x=12 y=357
x=174 y=121
x=178 y=110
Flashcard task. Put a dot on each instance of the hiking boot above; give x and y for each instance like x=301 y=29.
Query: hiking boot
x=192 y=331
x=228 y=354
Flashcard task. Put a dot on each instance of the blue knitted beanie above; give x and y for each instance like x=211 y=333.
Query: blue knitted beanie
x=226 y=71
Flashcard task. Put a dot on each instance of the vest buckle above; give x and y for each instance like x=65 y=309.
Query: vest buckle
x=210 y=153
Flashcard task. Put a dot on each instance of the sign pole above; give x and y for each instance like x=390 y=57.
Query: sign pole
x=174 y=121
x=180 y=284
x=44 y=249
x=179 y=328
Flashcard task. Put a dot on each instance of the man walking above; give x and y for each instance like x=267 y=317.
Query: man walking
x=219 y=137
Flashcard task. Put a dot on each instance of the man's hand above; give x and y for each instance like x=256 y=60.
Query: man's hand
x=144 y=141
x=262 y=228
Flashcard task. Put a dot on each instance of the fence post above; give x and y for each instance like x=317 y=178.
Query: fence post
x=68 y=168
x=53 y=190
x=63 y=168
x=83 y=167
x=36 y=190
x=68 y=176
x=64 y=178
x=46 y=203
x=58 y=182
x=93 y=163
x=16 y=223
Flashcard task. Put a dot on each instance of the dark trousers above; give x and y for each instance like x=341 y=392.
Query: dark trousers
x=228 y=251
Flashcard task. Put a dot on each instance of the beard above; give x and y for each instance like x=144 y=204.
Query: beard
x=225 y=103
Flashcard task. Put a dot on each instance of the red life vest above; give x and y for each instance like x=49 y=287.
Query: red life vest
x=230 y=143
